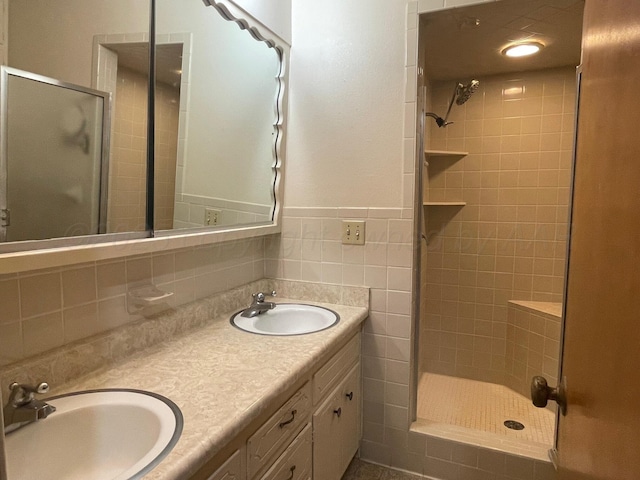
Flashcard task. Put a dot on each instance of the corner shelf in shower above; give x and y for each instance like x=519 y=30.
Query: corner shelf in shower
x=453 y=157
x=445 y=153
x=444 y=204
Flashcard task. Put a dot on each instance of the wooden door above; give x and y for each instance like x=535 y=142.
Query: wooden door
x=599 y=438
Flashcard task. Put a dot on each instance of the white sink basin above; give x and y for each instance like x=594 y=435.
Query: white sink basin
x=288 y=319
x=97 y=435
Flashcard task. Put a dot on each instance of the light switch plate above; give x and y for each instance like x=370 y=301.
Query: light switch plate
x=353 y=232
x=211 y=216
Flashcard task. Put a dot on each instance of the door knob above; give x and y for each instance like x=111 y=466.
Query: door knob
x=541 y=393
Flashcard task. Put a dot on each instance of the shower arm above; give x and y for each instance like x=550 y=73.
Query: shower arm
x=438 y=119
x=456 y=91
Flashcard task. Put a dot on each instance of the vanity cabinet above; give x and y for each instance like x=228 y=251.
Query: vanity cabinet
x=231 y=469
x=278 y=431
x=336 y=428
x=295 y=462
x=314 y=434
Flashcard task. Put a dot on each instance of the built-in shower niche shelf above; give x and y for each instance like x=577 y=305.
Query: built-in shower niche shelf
x=444 y=204
x=445 y=153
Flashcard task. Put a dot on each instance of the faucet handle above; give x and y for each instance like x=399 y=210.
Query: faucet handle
x=42 y=387
x=259 y=297
x=22 y=393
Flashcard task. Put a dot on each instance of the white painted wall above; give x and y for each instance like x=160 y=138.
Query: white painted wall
x=346 y=104
x=56 y=37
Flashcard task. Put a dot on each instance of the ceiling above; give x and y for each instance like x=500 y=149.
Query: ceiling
x=135 y=56
x=466 y=42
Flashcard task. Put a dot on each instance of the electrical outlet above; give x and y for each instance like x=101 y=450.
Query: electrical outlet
x=353 y=232
x=211 y=216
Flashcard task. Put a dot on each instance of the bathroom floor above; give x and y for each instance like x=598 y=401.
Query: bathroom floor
x=468 y=410
x=359 y=470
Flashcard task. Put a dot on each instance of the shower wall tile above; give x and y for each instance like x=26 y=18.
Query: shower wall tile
x=51 y=308
x=532 y=343
x=127 y=173
x=508 y=242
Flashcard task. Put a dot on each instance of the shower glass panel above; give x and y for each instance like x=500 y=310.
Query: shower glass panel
x=53 y=161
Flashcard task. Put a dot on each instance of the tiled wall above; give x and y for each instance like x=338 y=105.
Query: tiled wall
x=127 y=172
x=533 y=343
x=127 y=200
x=190 y=211
x=50 y=308
x=310 y=248
x=508 y=242
x=166 y=135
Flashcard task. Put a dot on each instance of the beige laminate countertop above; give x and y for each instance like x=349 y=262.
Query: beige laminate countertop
x=222 y=378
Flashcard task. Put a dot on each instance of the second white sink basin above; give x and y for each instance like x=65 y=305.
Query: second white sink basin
x=97 y=435
x=288 y=319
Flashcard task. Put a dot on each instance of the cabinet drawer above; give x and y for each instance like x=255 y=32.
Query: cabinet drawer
x=295 y=462
x=330 y=372
x=230 y=470
x=278 y=431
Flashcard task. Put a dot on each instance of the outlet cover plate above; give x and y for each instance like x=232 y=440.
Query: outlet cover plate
x=353 y=232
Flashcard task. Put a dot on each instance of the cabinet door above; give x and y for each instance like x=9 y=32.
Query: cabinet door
x=326 y=447
x=336 y=428
x=350 y=420
x=231 y=469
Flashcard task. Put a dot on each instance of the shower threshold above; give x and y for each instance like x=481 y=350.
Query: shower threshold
x=474 y=412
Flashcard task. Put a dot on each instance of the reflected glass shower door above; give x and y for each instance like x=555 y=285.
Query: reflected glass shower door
x=54 y=165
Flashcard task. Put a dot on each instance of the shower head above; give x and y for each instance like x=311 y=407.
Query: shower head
x=461 y=94
x=464 y=92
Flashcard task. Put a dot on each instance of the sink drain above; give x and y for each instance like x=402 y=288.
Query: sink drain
x=513 y=425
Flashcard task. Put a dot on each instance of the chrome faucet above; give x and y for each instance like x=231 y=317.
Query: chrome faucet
x=23 y=407
x=258 y=306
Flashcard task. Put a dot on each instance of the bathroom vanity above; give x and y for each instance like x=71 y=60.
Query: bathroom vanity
x=314 y=434
x=254 y=406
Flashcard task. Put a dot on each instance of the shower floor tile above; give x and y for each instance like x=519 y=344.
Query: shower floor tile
x=472 y=411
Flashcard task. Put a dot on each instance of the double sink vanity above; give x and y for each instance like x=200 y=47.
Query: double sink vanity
x=249 y=406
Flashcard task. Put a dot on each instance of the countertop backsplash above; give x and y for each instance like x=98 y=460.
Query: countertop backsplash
x=100 y=352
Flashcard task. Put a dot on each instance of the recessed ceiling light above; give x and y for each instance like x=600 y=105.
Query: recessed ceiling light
x=522 y=49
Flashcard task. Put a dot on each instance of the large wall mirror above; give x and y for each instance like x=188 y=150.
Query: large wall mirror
x=75 y=119
x=216 y=122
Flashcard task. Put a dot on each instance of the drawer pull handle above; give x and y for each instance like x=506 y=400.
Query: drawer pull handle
x=293 y=416
x=338 y=412
x=290 y=477
x=349 y=396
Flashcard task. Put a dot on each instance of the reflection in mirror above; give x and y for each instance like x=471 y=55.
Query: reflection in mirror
x=51 y=186
x=88 y=50
x=216 y=126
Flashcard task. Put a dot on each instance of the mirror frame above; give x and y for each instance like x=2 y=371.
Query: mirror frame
x=72 y=250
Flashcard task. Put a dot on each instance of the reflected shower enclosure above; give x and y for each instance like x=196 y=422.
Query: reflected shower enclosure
x=53 y=159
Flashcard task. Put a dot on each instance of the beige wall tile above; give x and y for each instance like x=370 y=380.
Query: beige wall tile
x=503 y=245
x=10 y=301
x=40 y=294
x=79 y=286
x=11 y=344
x=80 y=322
x=42 y=333
x=111 y=279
